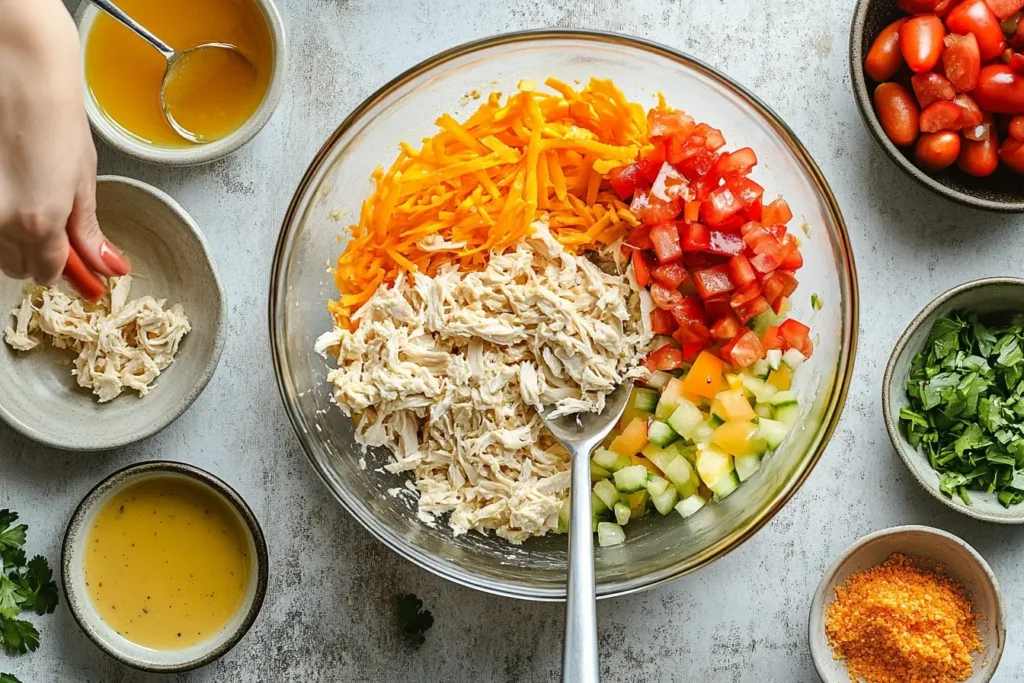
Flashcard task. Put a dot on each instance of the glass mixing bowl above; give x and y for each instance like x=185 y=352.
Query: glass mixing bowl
x=657 y=548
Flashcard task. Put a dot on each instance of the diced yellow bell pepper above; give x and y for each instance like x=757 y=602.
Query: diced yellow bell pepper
x=781 y=379
x=705 y=377
x=734 y=405
x=733 y=380
x=735 y=438
x=641 y=460
x=637 y=503
x=632 y=439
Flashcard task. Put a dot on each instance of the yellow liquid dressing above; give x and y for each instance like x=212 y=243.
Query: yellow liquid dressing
x=167 y=563
x=211 y=94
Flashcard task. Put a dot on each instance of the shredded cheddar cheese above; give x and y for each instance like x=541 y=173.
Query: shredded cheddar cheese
x=476 y=187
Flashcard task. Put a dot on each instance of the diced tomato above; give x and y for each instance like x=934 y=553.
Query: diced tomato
x=695 y=237
x=772 y=339
x=746 y=190
x=665 y=359
x=745 y=295
x=692 y=333
x=692 y=321
x=732 y=164
x=776 y=212
x=725 y=243
x=751 y=309
x=718 y=306
x=695 y=260
x=725 y=328
x=640 y=238
x=662 y=122
x=670 y=274
x=721 y=204
x=665 y=238
x=663 y=322
x=650 y=163
x=760 y=240
x=698 y=162
x=796 y=335
x=743 y=350
x=691 y=351
x=664 y=297
x=766 y=261
x=642 y=268
x=741 y=272
x=652 y=210
x=713 y=137
x=712 y=281
x=625 y=180
x=779 y=304
x=778 y=284
x=777 y=231
x=691 y=212
x=794 y=260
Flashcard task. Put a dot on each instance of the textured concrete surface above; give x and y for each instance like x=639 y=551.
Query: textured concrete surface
x=329 y=610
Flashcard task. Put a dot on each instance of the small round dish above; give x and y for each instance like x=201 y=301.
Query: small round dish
x=1002 y=191
x=170 y=258
x=988 y=295
x=105 y=637
x=958 y=560
x=126 y=143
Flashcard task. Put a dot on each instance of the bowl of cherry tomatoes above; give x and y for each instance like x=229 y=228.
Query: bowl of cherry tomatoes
x=940 y=85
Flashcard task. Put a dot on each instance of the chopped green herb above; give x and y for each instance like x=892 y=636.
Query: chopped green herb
x=8 y=678
x=415 y=621
x=967 y=405
x=816 y=302
x=25 y=586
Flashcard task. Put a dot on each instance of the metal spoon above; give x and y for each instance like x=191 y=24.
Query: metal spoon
x=580 y=434
x=176 y=59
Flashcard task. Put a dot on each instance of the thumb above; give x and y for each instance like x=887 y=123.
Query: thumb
x=87 y=238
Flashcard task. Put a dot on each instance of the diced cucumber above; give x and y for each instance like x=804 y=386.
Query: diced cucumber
x=631 y=479
x=661 y=434
x=725 y=485
x=671 y=395
x=703 y=434
x=679 y=472
x=760 y=368
x=666 y=501
x=761 y=390
x=656 y=485
x=782 y=398
x=774 y=358
x=772 y=431
x=637 y=503
x=762 y=322
x=716 y=421
x=607 y=492
x=689 y=505
x=678 y=448
x=597 y=472
x=793 y=358
x=610 y=460
x=563 y=517
x=787 y=414
x=746 y=465
x=646 y=400
x=622 y=513
x=609 y=533
x=598 y=506
x=763 y=410
x=658 y=379
x=685 y=419
x=713 y=464
x=658 y=455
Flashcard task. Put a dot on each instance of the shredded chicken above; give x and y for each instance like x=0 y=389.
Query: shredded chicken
x=448 y=373
x=120 y=343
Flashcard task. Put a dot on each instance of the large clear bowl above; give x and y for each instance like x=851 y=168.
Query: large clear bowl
x=328 y=199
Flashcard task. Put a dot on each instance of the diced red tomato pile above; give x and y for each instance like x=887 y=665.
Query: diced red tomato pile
x=712 y=254
x=952 y=83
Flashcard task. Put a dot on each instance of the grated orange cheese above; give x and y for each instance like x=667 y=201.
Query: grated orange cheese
x=476 y=187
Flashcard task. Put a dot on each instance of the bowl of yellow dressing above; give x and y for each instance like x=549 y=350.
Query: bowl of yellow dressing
x=123 y=76
x=164 y=566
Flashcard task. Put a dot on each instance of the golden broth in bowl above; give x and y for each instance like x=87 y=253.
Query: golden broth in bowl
x=124 y=73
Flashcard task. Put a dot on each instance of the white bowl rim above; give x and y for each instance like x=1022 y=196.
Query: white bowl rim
x=116 y=137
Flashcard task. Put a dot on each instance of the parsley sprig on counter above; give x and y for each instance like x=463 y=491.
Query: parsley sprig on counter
x=25 y=586
x=967 y=405
x=413 y=619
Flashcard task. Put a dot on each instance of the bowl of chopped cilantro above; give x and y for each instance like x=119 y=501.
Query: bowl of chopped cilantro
x=953 y=399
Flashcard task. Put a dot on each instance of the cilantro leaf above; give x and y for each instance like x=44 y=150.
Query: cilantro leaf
x=18 y=636
x=414 y=620
x=11 y=536
x=10 y=597
x=38 y=588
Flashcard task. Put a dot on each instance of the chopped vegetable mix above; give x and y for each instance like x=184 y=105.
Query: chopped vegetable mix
x=967 y=405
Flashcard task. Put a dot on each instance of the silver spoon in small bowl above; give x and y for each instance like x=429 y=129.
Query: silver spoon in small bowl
x=177 y=61
x=581 y=434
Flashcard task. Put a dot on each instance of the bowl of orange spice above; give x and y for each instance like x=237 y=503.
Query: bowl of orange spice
x=908 y=604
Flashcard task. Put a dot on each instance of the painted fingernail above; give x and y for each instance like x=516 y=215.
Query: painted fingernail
x=113 y=259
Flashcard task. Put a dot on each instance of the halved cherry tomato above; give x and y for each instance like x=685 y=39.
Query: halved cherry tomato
x=941 y=116
x=1016 y=127
x=695 y=236
x=720 y=205
x=931 y=87
x=796 y=335
x=921 y=42
x=725 y=328
x=970 y=114
x=664 y=297
x=962 y=61
x=977 y=133
x=1003 y=9
x=665 y=359
x=653 y=210
x=936 y=151
x=884 y=58
x=712 y=281
x=897 y=112
x=744 y=350
x=665 y=238
x=979 y=158
x=1000 y=90
x=740 y=271
x=725 y=243
x=670 y=274
x=1012 y=154
x=641 y=268
x=663 y=322
x=974 y=16
x=1015 y=61
x=917 y=6
x=736 y=163
x=625 y=180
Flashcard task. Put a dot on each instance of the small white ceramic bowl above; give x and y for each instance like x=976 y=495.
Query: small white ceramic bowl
x=959 y=561
x=109 y=640
x=988 y=295
x=192 y=155
x=170 y=259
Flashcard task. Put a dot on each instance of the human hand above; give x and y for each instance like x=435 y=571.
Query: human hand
x=47 y=157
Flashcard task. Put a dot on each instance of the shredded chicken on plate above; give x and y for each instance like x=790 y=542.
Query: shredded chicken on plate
x=120 y=343
x=449 y=371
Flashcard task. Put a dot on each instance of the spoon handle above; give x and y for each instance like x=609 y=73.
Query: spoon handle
x=579 y=654
x=113 y=10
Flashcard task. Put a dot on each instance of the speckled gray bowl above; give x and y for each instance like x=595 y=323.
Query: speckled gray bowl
x=988 y=295
x=958 y=560
x=105 y=637
x=170 y=259
x=1002 y=191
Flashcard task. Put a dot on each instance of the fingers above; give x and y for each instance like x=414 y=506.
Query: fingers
x=86 y=237
x=34 y=244
x=46 y=262
x=12 y=260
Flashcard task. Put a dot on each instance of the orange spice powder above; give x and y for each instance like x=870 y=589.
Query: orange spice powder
x=902 y=622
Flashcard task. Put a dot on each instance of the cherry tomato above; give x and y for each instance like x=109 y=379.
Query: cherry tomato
x=1014 y=60
x=962 y=61
x=897 y=112
x=936 y=151
x=979 y=158
x=974 y=16
x=1012 y=154
x=977 y=133
x=1016 y=128
x=941 y=116
x=884 y=58
x=970 y=114
x=1000 y=90
x=921 y=41
x=917 y=6
x=931 y=87
x=1004 y=9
